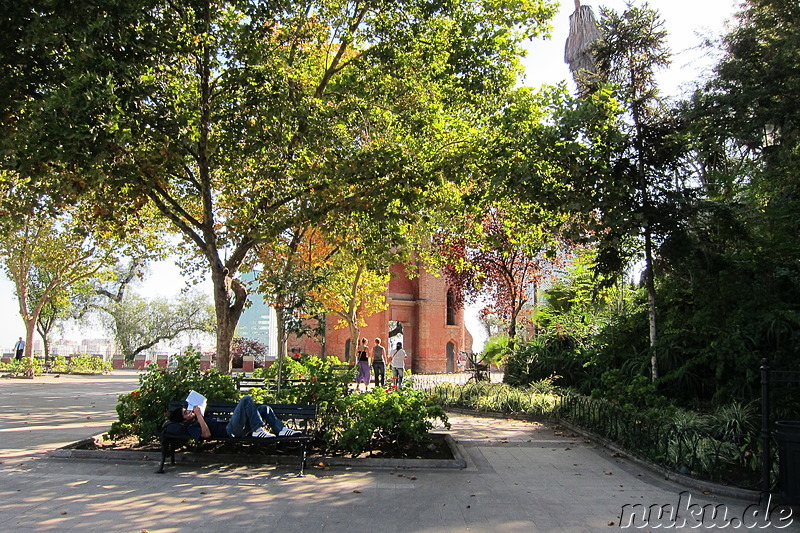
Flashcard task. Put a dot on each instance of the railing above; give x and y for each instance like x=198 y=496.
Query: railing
x=683 y=447
x=726 y=457
x=428 y=381
x=769 y=376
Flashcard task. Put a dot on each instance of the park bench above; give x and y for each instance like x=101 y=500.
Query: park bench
x=296 y=416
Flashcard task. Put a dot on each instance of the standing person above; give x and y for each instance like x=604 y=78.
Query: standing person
x=362 y=359
x=248 y=417
x=19 y=348
x=399 y=364
x=379 y=364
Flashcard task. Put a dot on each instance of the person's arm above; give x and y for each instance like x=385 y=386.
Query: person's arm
x=205 y=432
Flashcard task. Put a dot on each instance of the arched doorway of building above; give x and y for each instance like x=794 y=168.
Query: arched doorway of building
x=451 y=357
x=395 y=335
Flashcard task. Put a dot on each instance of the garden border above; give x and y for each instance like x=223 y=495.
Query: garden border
x=72 y=451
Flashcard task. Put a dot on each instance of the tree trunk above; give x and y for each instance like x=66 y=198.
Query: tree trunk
x=352 y=318
x=30 y=329
x=355 y=333
x=283 y=339
x=44 y=327
x=512 y=330
x=229 y=298
x=649 y=274
x=45 y=347
x=649 y=280
x=283 y=336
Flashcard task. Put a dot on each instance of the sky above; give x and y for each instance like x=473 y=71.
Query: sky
x=688 y=22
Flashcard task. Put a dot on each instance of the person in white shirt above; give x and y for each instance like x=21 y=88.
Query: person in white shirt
x=19 y=348
x=399 y=363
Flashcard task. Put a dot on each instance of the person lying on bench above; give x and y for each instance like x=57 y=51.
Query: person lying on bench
x=248 y=417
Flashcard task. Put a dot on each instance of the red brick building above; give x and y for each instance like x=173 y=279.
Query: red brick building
x=433 y=330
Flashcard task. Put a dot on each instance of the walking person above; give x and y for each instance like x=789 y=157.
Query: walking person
x=19 y=348
x=362 y=360
x=399 y=364
x=379 y=363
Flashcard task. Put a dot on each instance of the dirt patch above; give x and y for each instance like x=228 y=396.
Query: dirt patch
x=434 y=446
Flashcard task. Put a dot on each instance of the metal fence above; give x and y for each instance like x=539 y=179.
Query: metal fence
x=429 y=381
x=687 y=447
x=727 y=457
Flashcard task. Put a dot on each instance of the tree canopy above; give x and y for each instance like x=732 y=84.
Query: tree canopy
x=240 y=119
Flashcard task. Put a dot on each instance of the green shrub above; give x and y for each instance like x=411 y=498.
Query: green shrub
x=633 y=393
x=380 y=419
x=310 y=379
x=80 y=364
x=24 y=367
x=536 y=399
x=59 y=365
x=142 y=411
x=563 y=359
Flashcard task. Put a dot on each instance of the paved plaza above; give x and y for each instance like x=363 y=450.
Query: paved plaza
x=520 y=476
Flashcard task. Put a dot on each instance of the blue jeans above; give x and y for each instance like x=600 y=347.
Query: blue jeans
x=249 y=416
x=398 y=373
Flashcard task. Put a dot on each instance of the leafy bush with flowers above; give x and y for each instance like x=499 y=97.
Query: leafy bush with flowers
x=309 y=379
x=382 y=420
x=346 y=421
x=142 y=411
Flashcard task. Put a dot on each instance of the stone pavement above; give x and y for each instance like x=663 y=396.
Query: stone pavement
x=520 y=476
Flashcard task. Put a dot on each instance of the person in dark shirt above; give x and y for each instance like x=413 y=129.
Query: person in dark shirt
x=362 y=357
x=379 y=364
x=248 y=417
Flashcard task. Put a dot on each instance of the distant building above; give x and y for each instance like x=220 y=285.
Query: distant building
x=258 y=319
x=422 y=315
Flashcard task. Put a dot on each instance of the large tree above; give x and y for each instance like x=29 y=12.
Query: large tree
x=287 y=269
x=138 y=323
x=503 y=261
x=58 y=307
x=46 y=258
x=241 y=119
x=608 y=161
x=630 y=53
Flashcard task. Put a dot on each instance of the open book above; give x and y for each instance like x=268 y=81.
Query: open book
x=195 y=398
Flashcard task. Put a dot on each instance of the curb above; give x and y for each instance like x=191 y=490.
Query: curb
x=458 y=462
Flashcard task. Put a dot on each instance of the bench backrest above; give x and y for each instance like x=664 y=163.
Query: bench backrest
x=284 y=411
